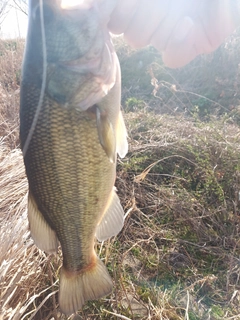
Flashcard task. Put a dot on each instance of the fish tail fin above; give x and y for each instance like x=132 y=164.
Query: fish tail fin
x=43 y=235
x=76 y=288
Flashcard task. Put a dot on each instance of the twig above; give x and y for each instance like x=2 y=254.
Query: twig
x=187 y=307
x=117 y=315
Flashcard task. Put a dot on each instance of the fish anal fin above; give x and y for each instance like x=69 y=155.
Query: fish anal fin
x=106 y=135
x=76 y=288
x=44 y=237
x=122 y=143
x=112 y=220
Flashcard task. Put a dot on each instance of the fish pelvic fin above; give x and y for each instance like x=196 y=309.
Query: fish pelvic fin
x=122 y=143
x=94 y=282
x=112 y=140
x=106 y=135
x=43 y=235
x=112 y=220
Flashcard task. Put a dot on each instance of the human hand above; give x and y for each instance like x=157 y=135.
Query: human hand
x=180 y=29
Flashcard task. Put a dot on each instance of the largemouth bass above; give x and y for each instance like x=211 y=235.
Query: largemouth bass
x=71 y=129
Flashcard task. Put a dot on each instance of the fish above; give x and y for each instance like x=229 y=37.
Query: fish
x=71 y=130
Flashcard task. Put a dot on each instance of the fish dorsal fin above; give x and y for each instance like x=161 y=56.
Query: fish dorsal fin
x=112 y=220
x=122 y=144
x=44 y=237
x=106 y=135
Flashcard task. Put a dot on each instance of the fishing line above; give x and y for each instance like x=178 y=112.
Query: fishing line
x=44 y=80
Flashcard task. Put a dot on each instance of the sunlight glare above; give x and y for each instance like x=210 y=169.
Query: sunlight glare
x=71 y=3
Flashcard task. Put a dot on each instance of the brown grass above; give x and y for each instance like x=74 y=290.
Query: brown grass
x=10 y=69
x=177 y=257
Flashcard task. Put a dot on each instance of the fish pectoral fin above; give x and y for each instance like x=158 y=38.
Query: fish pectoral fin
x=106 y=135
x=122 y=143
x=43 y=235
x=76 y=288
x=112 y=220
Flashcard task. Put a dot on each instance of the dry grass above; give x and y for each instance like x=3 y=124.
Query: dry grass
x=177 y=257
x=10 y=65
x=183 y=181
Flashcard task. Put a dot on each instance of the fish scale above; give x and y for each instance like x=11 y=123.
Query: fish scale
x=72 y=185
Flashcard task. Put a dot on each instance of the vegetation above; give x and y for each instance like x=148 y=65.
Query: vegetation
x=177 y=257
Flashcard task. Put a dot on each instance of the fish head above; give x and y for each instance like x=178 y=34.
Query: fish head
x=75 y=42
x=69 y=32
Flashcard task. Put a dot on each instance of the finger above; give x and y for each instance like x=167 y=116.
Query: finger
x=146 y=19
x=178 y=53
x=164 y=31
x=122 y=15
x=181 y=50
x=203 y=41
x=208 y=33
x=218 y=22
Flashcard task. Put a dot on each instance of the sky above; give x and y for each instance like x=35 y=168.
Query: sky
x=14 y=25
